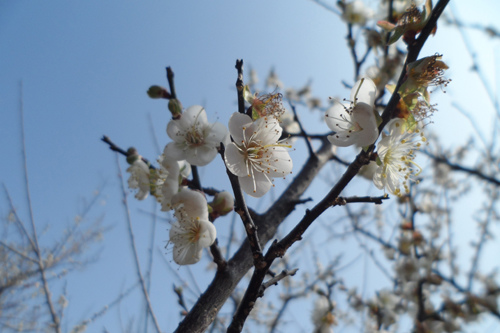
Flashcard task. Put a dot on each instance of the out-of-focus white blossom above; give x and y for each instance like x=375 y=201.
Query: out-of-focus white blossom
x=356 y=12
x=257 y=156
x=192 y=231
x=322 y=316
x=194 y=138
x=273 y=81
x=139 y=178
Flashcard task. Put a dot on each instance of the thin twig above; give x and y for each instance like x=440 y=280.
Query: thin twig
x=458 y=167
x=274 y=281
x=114 y=147
x=302 y=131
x=36 y=248
x=134 y=248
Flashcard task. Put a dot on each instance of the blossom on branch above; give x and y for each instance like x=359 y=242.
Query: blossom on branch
x=396 y=153
x=194 y=138
x=257 y=155
x=192 y=231
x=354 y=123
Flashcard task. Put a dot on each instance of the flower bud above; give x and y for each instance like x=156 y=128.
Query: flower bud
x=223 y=203
x=158 y=92
x=175 y=106
x=132 y=155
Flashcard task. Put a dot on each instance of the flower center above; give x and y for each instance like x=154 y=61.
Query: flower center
x=194 y=136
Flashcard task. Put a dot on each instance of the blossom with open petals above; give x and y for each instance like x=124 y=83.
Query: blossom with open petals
x=257 y=155
x=194 y=138
x=354 y=123
x=192 y=231
x=396 y=152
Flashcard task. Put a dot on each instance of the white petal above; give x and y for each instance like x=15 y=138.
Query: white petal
x=235 y=161
x=367 y=91
x=176 y=129
x=341 y=141
x=187 y=255
x=201 y=155
x=281 y=162
x=185 y=168
x=378 y=180
x=195 y=114
x=208 y=234
x=364 y=116
x=174 y=151
x=255 y=186
x=265 y=130
x=194 y=203
x=169 y=188
x=335 y=117
x=236 y=124
x=171 y=165
x=217 y=134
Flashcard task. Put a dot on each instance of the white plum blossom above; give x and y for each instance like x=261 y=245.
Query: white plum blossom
x=322 y=316
x=194 y=138
x=257 y=156
x=192 y=231
x=139 y=178
x=396 y=152
x=354 y=123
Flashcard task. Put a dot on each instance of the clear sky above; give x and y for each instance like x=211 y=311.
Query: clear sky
x=85 y=67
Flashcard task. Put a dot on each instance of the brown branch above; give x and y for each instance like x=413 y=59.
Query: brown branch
x=218 y=258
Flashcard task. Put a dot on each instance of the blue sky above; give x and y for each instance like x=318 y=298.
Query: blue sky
x=86 y=65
